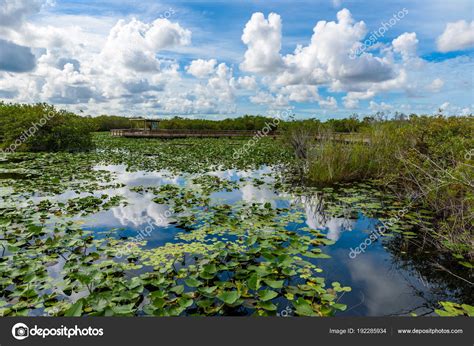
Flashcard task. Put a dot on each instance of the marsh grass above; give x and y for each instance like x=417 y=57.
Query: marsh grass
x=425 y=158
x=340 y=162
x=372 y=156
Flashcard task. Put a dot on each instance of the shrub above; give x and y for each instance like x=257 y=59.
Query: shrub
x=110 y=122
x=42 y=127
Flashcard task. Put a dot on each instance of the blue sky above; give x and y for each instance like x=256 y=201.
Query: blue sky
x=218 y=59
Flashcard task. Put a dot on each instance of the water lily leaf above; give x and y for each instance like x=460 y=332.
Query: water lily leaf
x=253 y=282
x=122 y=310
x=274 y=283
x=469 y=309
x=303 y=308
x=251 y=240
x=267 y=295
x=443 y=313
x=185 y=302
x=204 y=303
x=315 y=255
x=206 y=276
x=341 y=307
x=229 y=297
x=193 y=282
x=207 y=290
x=210 y=268
x=160 y=294
x=284 y=260
x=288 y=271
x=177 y=289
x=260 y=270
x=267 y=306
x=328 y=297
x=159 y=303
x=75 y=310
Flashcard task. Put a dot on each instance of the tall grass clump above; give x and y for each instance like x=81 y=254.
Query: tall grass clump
x=341 y=162
x=426 y=158
x=368 y=154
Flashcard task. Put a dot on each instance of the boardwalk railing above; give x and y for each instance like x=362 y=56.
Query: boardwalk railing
x=352 y=137
x=176 y=133
x=165 y=133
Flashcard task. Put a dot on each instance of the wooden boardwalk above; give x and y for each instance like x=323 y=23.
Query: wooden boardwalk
x=165 y=133
x=185 y=133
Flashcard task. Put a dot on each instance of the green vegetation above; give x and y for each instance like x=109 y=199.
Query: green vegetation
x=227 y=259
x=238 y=259
x=41 y=127
x=109 y=122
x=427 y=159
x=450 y=309
x=246 y=122
x=251 y=257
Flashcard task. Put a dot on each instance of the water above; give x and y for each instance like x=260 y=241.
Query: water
x=382 y=281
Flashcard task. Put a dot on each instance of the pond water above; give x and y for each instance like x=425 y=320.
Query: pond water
x=175 y=228
x=380 y=285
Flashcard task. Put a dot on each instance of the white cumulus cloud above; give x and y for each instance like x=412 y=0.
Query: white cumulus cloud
x=456 y=36
x=14 y=12
x=406 y=44
x=263 y=38
x=247 y=82
x=201 y=68
x=328 y=103
x=436 y=85
x=324 y=61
